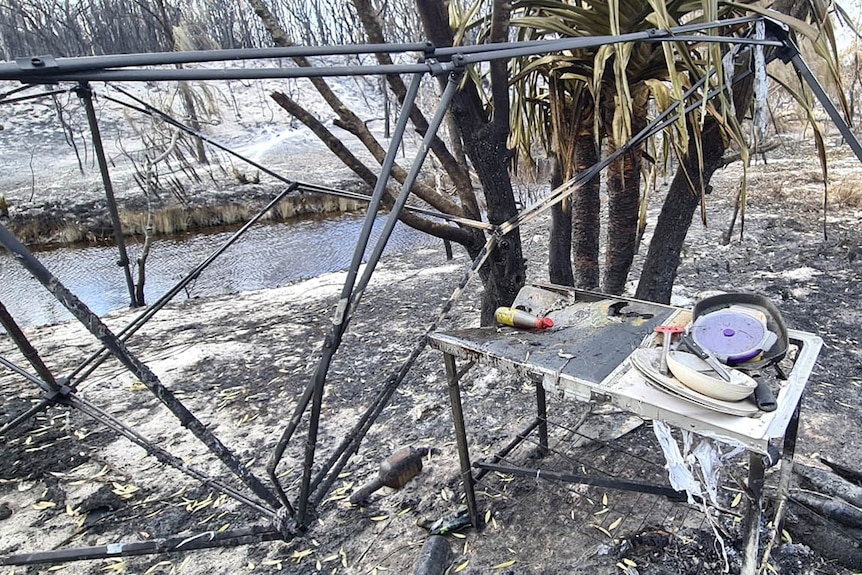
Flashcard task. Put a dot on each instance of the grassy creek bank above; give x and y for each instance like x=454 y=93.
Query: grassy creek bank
x=65 y=221
x=241 y=361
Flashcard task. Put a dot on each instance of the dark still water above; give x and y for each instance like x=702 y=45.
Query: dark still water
x=268 y=255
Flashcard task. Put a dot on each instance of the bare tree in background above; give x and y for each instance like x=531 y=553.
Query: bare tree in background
x=484 y=132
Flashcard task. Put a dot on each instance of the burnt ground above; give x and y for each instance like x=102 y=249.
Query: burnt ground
x=240 y=362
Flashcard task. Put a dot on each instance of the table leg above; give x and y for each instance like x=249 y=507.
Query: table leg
x=756 y=472
x=542 y=414
x=461 y=437
x=784 y=480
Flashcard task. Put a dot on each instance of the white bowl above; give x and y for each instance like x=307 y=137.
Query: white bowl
x=695 y=373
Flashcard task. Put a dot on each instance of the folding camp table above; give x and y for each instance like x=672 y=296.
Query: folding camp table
x=585 y=357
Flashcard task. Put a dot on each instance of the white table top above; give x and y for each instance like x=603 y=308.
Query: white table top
x=584 y=357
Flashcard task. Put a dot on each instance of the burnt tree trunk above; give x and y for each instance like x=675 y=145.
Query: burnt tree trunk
x=560 y=242
x=825 y=512
x=586 y=212
x=484 y=136
x=663 y=258
x=503 y=275
x=623 y=182
x=575 y=221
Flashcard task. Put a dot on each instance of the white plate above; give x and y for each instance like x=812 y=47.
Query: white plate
x=647 y=361
x=694 y=372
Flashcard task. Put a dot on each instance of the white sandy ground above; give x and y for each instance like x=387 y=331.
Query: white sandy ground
x=277 y=332
x=266 y=342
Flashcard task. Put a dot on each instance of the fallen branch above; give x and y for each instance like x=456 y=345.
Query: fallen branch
x=828 y=483
x=728 y=159
x=831 y=507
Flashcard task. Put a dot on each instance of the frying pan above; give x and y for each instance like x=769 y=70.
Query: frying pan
x=774 y=322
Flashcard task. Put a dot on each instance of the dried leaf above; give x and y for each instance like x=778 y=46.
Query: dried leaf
x=125 y=491
x=603 y=530
x=461 y=567
x=156 y=566
x=615 y=524
x=736 y=500
x=42 y=505
x=504 y=564
x=102 y=472
x=298 y=556
x=117 y=567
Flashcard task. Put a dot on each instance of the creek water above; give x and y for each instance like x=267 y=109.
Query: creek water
x=268 y=255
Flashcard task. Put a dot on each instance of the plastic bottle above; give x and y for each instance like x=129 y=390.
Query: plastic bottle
x=519 y=318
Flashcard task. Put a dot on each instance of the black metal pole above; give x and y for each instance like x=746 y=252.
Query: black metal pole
x=148 y=110
x=47 y=387
x=406 y=187
x=332 y=341
x=564 y=477
x=41 y=65
x=86 y=95
x=68 y=397
x=22 y=417
x=203 y=74
x=139 y=321
x=461 y=438
x=47 y=69
x=95 y=326
x=204 y=540
x=433 y=67
x=751 y=538
x=25 y=347
x=338 y=460
x=795 y=57
x=161 y=454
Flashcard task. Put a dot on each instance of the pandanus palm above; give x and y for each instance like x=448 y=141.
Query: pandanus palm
x=587 y=96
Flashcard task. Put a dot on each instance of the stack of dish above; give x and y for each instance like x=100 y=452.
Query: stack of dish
x=699 y=376
x=694 y=381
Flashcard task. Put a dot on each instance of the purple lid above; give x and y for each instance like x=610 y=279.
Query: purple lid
x=730 y=335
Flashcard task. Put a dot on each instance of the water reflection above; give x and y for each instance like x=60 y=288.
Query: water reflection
x=268 y=255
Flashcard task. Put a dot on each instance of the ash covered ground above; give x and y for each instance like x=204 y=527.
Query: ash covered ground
x=240 y=362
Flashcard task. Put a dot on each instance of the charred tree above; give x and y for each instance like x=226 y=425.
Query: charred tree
x=586 y=211
x=484 y=134
x=664 y=255
x=623 y=182
x=560 y=241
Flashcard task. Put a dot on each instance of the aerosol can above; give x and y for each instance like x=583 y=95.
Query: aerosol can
x=519 y=318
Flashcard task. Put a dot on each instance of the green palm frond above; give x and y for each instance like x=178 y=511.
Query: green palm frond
x=609 y=78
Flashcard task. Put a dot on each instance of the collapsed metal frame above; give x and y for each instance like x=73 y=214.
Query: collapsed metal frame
x=289 y=518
